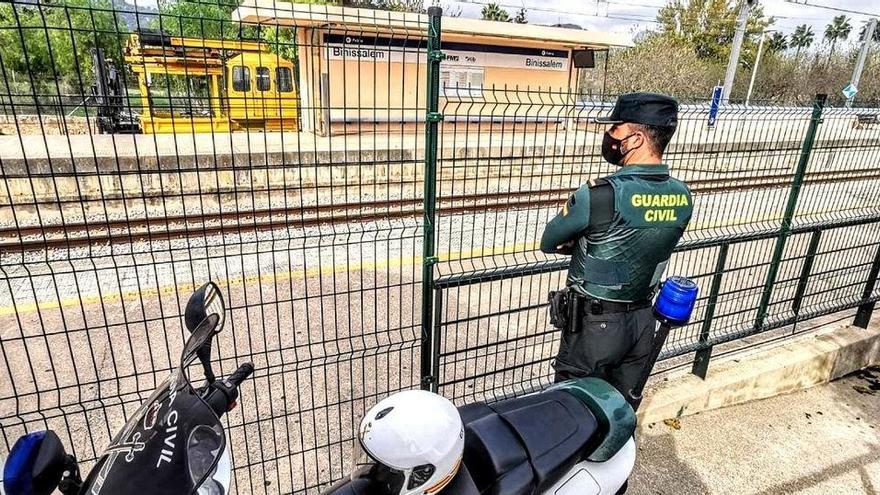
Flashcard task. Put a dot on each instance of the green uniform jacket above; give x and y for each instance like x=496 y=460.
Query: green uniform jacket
x=623 y=258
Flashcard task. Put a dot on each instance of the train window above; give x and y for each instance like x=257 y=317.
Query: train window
x=263 y=79
x=284 y=79
x=241 y=78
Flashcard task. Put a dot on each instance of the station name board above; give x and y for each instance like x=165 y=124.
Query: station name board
x=343 y=47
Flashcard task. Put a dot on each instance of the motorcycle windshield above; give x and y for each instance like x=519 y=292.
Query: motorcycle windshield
x=172 y=444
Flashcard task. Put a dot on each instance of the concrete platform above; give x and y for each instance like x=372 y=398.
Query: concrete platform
x=766 y=131
x=823 y=440
x=794 y=365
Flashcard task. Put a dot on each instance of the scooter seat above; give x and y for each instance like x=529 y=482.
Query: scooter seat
x=493 y=454
x=524 y=445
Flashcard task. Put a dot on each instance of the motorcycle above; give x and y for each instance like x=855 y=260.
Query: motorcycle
x=576 y=437
x=173 y=444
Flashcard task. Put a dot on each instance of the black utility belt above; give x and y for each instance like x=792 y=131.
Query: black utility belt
x=600 y=306
x=567 y=306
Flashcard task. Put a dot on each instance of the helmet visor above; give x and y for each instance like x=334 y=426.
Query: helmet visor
x=382 y=478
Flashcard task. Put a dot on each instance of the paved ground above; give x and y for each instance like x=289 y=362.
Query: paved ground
x=825 y=440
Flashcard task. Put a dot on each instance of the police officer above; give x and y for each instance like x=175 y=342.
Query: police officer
x=620 y=231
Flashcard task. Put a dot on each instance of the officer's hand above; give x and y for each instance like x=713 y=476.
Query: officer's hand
x=566 y=248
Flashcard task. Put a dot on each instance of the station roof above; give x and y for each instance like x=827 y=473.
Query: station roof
x=369 y=20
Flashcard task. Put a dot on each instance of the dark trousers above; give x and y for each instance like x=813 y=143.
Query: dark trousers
x=613 y=346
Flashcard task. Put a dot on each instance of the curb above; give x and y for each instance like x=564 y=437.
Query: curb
x=795 y=365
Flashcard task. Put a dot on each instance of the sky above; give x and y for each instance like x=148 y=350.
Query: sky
x=631 y=17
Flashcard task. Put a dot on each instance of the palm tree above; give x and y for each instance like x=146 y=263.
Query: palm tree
x=778 y=42
x=521 y=16
x=401 y=5
x=863 y=31
x=802 y=37
x=839 y=29
x=492 y=12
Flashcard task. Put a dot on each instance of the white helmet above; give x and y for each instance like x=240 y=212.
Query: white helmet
x=418 y=439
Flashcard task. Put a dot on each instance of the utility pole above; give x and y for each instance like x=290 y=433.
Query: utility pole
x=755 y=68
x=863 y=54
x=734 y=51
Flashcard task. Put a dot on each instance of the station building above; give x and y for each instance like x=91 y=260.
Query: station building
x=360 y=68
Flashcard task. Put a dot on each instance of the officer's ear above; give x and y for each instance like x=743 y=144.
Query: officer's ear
x=640 y=138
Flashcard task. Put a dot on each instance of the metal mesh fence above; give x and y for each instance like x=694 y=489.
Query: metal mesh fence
x=285 y=160
x=494 y=337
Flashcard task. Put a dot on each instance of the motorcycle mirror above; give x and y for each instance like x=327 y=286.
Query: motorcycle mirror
x=35 y=464
x=676 y=301
x=206 y=300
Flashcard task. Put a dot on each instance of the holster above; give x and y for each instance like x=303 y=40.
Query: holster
x=566 y=310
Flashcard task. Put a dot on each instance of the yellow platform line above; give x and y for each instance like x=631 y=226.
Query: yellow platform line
x=261 y=278
x=328 y=270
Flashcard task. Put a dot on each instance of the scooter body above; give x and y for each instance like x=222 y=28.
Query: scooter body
x=575 y=437
x=598 y=478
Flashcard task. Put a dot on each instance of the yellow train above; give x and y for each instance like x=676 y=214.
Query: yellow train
x=197 y=85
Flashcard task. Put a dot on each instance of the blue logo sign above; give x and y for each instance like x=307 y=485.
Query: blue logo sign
x=850 y=91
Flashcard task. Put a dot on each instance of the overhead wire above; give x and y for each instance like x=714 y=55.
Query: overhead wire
x=829 y=7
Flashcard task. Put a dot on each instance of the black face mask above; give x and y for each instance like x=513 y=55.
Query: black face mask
x=611 y=149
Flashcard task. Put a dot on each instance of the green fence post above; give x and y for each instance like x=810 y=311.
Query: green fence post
x=785 y=228
x=702 y=356
x=429 y=258
x=863 y=315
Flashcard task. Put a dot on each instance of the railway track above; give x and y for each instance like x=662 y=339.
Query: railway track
x=121 y=231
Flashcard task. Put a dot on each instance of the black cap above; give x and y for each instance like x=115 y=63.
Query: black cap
x=643 y=108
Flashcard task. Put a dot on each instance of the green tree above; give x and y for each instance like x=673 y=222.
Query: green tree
x=417 y=6
x=50 y=42
x=493 y=12
x=802 y=37
x=664 y=65
x=212 y=19
x=281 y=40
x=864 y=30
x=401 y=5
x=209 y=19
x=521 y=16
x=838 y=30
x=777 y=43
x=709 y=26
